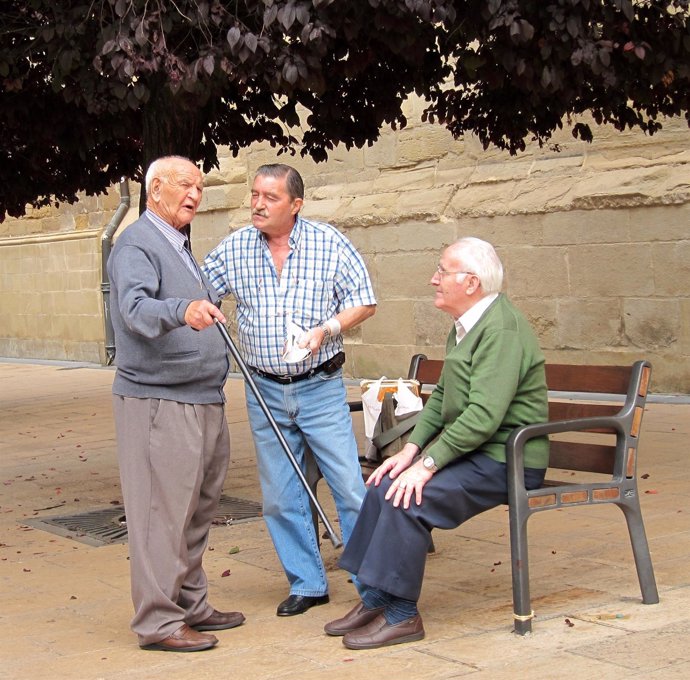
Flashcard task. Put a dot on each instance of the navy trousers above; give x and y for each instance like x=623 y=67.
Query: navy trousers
x=388 y=546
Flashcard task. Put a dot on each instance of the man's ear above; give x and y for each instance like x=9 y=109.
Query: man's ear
x=155 y=192
x=297 y=204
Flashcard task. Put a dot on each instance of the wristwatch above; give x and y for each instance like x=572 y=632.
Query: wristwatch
x=326 y=331
x=429 y=464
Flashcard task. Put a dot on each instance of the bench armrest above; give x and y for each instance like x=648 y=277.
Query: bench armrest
x=515 y=446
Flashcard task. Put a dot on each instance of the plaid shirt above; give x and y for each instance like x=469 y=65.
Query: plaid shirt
x=322 y=275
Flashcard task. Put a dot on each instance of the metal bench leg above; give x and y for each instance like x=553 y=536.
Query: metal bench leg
x=640 y=548
x=522 y=611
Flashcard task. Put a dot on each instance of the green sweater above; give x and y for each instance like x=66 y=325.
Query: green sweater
x=492 y=382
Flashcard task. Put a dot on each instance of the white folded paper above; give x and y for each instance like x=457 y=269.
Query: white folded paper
x=292 y=353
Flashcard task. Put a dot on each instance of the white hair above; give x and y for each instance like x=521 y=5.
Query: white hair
x=157 y=168
x=480 y=258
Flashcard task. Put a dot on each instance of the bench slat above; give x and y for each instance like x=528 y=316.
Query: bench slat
x=568 y=410
x=604 y=379
x=582 y=457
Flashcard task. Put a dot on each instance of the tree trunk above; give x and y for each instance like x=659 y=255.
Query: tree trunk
x=172 y=125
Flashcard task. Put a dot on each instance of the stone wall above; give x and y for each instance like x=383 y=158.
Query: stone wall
x=594 y=239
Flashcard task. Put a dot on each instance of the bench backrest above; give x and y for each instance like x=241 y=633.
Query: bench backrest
x=571 y=390
x=596 y=452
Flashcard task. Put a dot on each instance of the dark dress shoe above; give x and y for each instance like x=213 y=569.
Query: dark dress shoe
x=357 y=617
x=220 y=621
x=298 y=604
x=184 y=639
x=378 y=633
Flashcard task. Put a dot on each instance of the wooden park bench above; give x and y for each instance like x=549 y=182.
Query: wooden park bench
x=592 y=436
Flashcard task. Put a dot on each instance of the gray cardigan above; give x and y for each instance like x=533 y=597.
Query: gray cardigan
x=157 y=354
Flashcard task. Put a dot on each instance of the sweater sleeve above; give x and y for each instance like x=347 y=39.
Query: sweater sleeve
x=137 y=282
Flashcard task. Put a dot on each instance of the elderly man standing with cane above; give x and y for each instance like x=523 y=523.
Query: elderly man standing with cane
x=298 y=284
x=172 y=436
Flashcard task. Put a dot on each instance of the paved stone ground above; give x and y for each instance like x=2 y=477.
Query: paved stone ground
x=66 y=606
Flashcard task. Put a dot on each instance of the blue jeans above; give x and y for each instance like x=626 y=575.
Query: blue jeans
x=312 y=412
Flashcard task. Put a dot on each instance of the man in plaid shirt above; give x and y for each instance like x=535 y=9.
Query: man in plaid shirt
x=298 y=285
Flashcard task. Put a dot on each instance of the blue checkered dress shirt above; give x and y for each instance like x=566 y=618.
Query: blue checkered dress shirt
x=322 y=275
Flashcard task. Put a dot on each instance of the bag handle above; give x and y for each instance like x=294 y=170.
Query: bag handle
x=405 y=425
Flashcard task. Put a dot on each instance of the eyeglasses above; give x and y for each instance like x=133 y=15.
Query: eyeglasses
x=442 y=272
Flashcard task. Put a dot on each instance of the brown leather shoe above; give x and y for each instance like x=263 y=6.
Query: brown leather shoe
x=357 y=617
x=184 y=639
x=220 y=621
x=378 y=633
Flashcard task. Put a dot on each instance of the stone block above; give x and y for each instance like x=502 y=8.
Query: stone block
x=543 y=317
x=427 y=204
x=684 y=330
x=423 y=143
x=408 y=236
x=671 y=268
x=325 y=210
x=392 y=323
x=659 y=223
x=586 y=227
x=374 y=361
x=454 y=170
x=383 y=153
x=610 y=270
x=405 y=180
x=617 y=188
x=528 y=268
x=404 y=275
x=478 y=201
x=589 y=324
x=651 y=323
x=209 y=229
x=334 y=186
x=669 y=375
x=504 y=231
x=89 y=328
x=498 y=173
x=431 y=324
x=365 y=210
x=56 y=258
x=226 y=196
x=83 y=221
x=229 y=171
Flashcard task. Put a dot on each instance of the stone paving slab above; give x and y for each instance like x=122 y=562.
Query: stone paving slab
x=66 y=605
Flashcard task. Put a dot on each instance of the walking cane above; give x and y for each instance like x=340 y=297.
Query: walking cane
x=337 y=543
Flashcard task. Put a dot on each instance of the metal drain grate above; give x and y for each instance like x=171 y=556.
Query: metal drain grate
x=108 y=526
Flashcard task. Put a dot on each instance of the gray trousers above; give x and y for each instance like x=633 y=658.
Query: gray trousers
x=173 y=460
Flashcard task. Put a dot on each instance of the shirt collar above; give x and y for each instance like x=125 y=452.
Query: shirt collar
x=175 y=236
x=295 y=234
x=473 y=314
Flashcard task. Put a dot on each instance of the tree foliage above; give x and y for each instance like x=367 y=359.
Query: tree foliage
x=94 y=90
x=522 y=68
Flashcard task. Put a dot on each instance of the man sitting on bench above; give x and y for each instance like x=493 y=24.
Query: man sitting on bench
x=492 y=382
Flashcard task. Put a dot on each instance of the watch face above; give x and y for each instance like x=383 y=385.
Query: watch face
x=428 y=462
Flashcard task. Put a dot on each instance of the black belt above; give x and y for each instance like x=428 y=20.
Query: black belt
x=329 y=366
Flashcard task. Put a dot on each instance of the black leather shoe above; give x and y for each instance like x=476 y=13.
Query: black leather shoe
x=298 y=604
